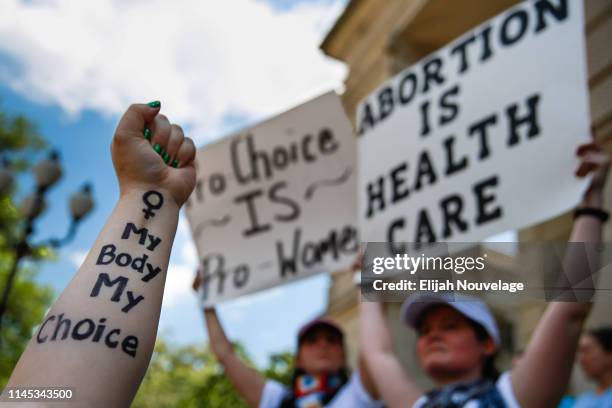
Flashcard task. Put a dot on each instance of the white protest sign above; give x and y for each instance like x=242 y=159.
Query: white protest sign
x=276 y=202
x=480 y=136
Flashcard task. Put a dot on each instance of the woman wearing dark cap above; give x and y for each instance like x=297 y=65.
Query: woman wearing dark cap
x=595 y=358
x=458 y=337
x=320 y=378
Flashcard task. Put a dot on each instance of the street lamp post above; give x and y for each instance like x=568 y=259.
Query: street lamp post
x=47 y=173
x=6 y=178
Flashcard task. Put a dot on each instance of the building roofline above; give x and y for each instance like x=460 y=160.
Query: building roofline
x=329 y=37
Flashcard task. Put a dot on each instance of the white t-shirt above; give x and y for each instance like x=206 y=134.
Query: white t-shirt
x=351 y=395
x=503 y=385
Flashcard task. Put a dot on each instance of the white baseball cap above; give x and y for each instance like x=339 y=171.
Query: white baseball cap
x=470 y=307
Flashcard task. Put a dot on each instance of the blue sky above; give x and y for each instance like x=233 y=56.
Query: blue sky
x=75 y=89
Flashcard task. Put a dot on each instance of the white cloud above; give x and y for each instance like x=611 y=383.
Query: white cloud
x=203 y=59
x=183 y=263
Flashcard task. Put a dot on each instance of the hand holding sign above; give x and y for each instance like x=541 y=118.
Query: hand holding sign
x=480 y=135
x=276 y=202
x=595 y=161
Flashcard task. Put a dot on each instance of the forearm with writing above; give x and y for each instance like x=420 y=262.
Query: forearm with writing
x=100 y=333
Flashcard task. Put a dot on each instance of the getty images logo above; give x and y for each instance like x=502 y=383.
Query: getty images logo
x=411 y=264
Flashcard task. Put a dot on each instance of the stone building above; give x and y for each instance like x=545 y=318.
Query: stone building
x=377 y=39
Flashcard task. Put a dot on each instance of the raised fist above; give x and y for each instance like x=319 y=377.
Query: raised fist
x=151 y=153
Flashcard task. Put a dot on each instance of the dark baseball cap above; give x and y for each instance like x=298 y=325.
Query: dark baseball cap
x=319 y=322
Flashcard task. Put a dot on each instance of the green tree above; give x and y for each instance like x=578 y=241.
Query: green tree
x=190 y=376
x=28 y=302
x=280 y=367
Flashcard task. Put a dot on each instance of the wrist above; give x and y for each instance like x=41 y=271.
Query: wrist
x=592 y=198
x=148 y=198
x=597 y=213
x=149 y=206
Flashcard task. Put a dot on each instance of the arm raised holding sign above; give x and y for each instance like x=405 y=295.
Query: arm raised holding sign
x=248 y=382
x=98 y=337
x=541 y=375
x=457 y=336
x=320 y=376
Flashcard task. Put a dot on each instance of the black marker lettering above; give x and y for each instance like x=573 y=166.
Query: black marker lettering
x=99 y=330
x=131 y=228
x=78 y=334
x=107 y=255
x=144 y=233
x=132 y=301
x=154 y=241
x=87 y=329
x=104 y=279
x=61 y=321
x=42 y=326
x=108 y=341
x=152 y=272
x=249 y=199
x=424 y=230
x=153 y=201
x=129 y=345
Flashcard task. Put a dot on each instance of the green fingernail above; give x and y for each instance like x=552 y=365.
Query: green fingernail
x=147 y=134
x=166 y=157
x=175 y=163
x=157 y=148
x=154 y=104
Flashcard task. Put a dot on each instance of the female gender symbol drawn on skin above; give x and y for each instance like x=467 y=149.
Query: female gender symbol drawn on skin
x=154 y=204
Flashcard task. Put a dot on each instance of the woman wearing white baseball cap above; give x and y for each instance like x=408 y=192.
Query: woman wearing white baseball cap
x=458 y=337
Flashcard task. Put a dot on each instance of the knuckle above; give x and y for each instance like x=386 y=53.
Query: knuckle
x=189 y=142
x=162 y=119
x=178 y=129
x=120 y=137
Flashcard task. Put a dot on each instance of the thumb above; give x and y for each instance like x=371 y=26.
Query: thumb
x=196 y=281
x=137 y=116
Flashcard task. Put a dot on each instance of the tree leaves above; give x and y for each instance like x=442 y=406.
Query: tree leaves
x=28 y=300
x=191 y=376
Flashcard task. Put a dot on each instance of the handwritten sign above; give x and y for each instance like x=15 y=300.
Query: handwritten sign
x=276 y=202
x=480 y=136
